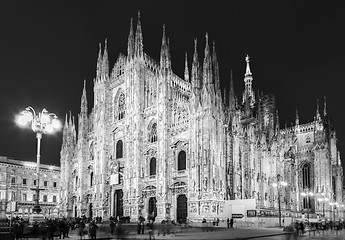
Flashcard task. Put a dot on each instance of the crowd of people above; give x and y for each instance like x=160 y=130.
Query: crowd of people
x=58 y=227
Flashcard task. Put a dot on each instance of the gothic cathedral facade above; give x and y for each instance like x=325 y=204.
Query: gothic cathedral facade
x=156 y=144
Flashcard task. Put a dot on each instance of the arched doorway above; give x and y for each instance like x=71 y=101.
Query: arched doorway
x=181 y=210
x=90 y=211
x=118 y=203
x=75 y=211
x=152 y=207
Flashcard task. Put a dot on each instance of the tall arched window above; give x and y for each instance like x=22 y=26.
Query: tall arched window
x=119 y=149
x=181 y=161
x=121 y=106
x=333 y=186
x=153 y=133
x=54 y=198
x=76 y=182
x=91 y=178
x=153 y=166
x=306 y=175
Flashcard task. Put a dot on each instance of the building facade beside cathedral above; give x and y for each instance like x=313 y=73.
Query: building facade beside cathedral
x=177 y=148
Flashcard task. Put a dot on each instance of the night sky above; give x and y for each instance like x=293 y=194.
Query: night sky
x=48 y=48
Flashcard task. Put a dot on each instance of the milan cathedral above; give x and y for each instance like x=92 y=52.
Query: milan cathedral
x=179 y=148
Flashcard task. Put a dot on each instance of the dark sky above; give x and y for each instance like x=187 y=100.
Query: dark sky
x=47 y=49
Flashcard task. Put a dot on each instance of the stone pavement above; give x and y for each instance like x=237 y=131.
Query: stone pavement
x=188 y=233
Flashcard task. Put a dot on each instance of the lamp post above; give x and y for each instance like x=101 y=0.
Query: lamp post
x=323 y=199
x=279 y=185
x=41 y=123
x=307 y=194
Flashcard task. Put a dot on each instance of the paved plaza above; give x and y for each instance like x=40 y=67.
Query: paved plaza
x=216 y=233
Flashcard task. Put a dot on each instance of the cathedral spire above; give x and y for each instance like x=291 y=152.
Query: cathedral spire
x=297 y=117
x=186 y=71
x=207 y=68
x=83 y=104
x=130 y=44
x=248 y=72
x=324 y=107
x=215 y=68
x=224 y=97
x=277 y=122
x=196 y=82
x=138 y=43
x=105 y=62
x=232 y=104
x=165 y=55
x=318 y=116
x=65 y=131
x=248 y=91
x=99 y=63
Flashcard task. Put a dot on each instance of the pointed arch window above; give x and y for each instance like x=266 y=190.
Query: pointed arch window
x=181 y=161
x=119 y=149
x=91 y=178
x=153 y=166
x=153 y=133
x=334 y=186
x=306 y=202
x=121 y=106
x=306 y=176
x=76 y=182
x=25 y=196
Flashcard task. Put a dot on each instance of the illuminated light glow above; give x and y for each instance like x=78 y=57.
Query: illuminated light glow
x=56 y=123
x=284 y=183
x=27 y=116
x=49 y=128
x=29 y=164
x=45 y=118
x=274 y=184
x=21 y=120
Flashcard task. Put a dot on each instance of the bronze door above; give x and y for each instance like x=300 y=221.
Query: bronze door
x=118 y=203
x=181 y=211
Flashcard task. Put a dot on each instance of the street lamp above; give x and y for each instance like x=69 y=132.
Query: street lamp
x=323 y=199
x=307 y=194
x=43 y=123
x=279 y=185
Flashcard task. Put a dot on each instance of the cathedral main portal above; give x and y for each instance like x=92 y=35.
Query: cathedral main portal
x=181 y=211
x=118 y=203
x=152 y=207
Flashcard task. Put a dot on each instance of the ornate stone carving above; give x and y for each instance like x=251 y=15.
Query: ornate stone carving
x=179 y=188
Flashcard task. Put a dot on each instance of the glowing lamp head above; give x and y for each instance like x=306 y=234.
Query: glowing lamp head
x=284 y=184
x=45 y=119
x=24 y=118
x=49 y=128
x=303 y=194
x=274 y=184
x=56 y=123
